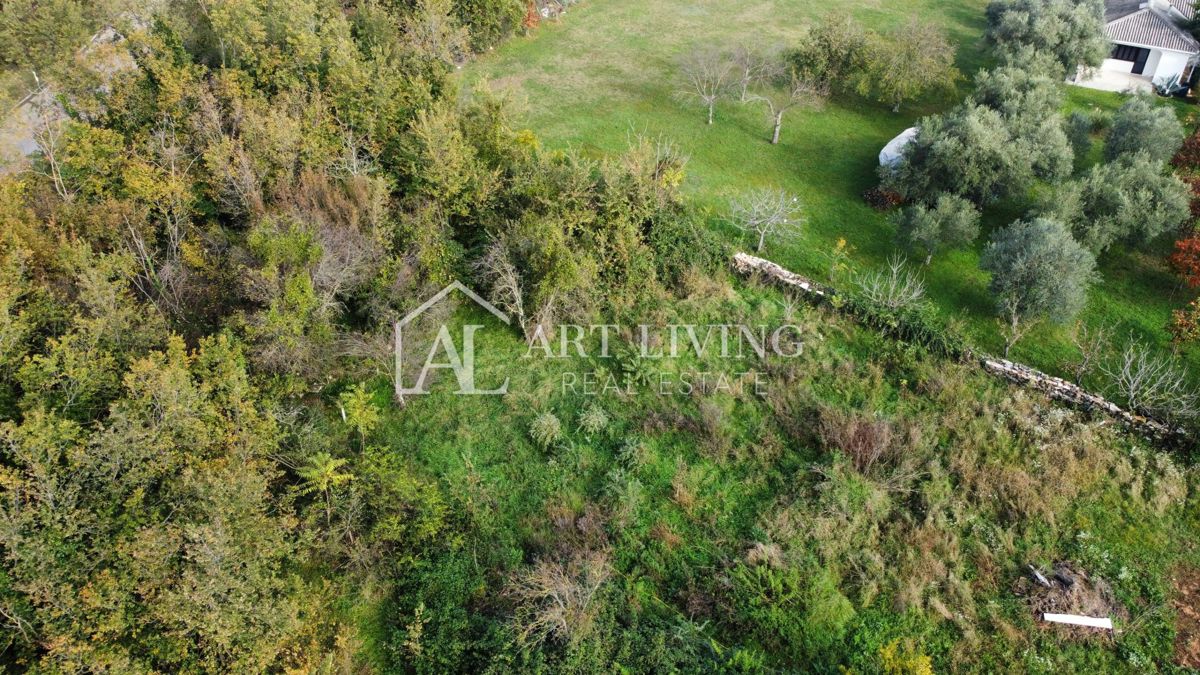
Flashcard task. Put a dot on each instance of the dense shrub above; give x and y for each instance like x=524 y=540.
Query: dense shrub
x=546 y=430
x=918 y=324
x=1142 y=127
x=1069 y=33
x=977 y=153
x=1131 y=200
x=794 y=613
x=864 y=440
x=489 y=21
x=1188 y=155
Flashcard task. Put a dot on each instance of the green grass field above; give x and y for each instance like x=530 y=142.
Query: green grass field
x=686 y=484
x=606 y=72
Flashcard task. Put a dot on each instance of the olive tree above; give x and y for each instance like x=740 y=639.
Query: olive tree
x=1069 y=32
x=1038 y=272
x=1142 y=127
x=1131 y=200
x=766 y=211
x=706 y=77
x=1029 y=104
x=973 y=152
x=951 y=222
x=1079 y=132
x=1013 y=91
x=904 y=66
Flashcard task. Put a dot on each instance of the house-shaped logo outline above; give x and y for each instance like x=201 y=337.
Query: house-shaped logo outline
x=455 y=285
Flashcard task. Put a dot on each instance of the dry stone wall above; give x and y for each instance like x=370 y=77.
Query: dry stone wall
x=1019 y=374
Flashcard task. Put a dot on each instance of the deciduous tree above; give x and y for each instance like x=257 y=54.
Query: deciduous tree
x=908 y=64
x=766 y=211
x=784 y=93
x=833 y=52
x=754 y=66
x=706 y=76
x=1185 y=261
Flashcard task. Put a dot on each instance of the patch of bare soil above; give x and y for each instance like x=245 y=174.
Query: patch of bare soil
x=1187 y=621
x=1070 y=590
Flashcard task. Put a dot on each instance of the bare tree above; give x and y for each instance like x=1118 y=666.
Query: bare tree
x=1152 y=384
x=790 y=304
x=556 y=598
x=781 y=94
x=706 y=73
x=1013 y=324
x=752 y=67
x=47 y=135
x=767 y=211
x=498 y=271
x=1091 y=341
x=895 y=288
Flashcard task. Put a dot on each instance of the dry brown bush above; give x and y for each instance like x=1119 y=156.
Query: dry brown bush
x=865 y=440
x=557 y=598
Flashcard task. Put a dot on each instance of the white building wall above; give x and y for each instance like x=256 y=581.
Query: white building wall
x=1152 y=63
x=1115 y=66
x=1167 y=65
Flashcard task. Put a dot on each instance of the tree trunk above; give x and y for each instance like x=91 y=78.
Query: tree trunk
x=778 y=126
x=762 y=235
x=1013 y=335
x=928 y=259
x=710 y=112
x=896 y=108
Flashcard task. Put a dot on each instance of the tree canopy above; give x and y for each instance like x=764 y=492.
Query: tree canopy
x=1068 y=33
x=951 y=222
x=1132 y=200
x=1141 y=127
x=978 y=153
x=1038 y=272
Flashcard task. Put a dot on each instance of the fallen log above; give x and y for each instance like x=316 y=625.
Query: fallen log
x=1019 y=374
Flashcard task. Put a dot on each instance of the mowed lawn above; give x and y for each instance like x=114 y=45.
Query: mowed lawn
x=608 y=71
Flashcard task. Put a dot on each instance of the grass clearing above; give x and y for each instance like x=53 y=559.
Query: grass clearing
x=605 y=72
x=704 y=502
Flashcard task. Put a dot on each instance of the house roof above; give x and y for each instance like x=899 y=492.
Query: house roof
x=1149 y=27
x=1115 y=9
x=1185 y=7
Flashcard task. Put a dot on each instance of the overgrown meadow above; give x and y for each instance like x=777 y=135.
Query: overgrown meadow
x=872 y=508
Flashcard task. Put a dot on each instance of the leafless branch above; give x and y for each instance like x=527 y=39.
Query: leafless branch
x=706 y=74
x=1152 y=384
x=781 y=94
x=767 y=211
x=895 y=287
x=1091 y=343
